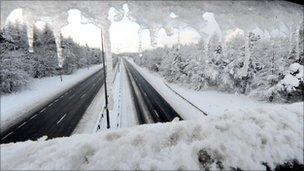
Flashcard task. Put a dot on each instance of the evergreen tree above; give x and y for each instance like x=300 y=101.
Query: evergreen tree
x=301 y=44
x=70 y=58
x=255 y=65
x=14 y=63
x=178 y=65
x=46 y=59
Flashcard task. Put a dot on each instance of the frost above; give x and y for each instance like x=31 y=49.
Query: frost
x=267 y=16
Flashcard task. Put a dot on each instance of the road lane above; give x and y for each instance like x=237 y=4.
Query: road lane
x=65 y=109
x=158 y=107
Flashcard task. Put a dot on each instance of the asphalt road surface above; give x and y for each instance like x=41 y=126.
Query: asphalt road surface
x=60 y=117
x=158 y=108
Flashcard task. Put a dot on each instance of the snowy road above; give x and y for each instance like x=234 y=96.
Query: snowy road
x=60 y=117
x=150 y=105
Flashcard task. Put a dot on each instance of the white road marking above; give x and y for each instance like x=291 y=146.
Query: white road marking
x=22 y=124
x=156 y=113
x=61 y=96
x=71 y=96
x=42 y=110
x=162 y=109
x=7 y=135
x=83 y=95
x=33 y=116
x=61 y=119
x=145 y=94
x=50 y=105
x=56 y=100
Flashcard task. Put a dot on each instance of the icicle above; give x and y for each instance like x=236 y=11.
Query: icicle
x=297 y=33
x=30 y=34
x=139 y=40
x=57 y=35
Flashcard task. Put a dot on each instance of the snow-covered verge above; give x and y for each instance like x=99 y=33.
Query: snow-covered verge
x=240 y=140
x=88 y=121
x=217 y=103
x=124 y=113
x=16 y=106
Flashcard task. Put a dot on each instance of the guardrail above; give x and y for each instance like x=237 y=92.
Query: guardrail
x=98 y=123
x=185 y=99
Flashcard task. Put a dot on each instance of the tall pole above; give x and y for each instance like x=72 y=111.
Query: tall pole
x=178 y=38
x=105 y=82
x=60 y=73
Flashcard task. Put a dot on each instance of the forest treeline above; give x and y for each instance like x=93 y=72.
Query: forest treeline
x=268 y=68
x=19 y=64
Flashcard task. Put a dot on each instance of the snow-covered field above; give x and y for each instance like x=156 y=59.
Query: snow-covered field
x=15 y=107
x=272 y=134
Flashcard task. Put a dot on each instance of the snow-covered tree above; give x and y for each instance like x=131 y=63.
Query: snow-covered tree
x=231 y=78
x=196 y=67
x=214 y=60
x=18 y=64
x=70 y=58
x=45 y=53
x=95 y=56
x=178 y=64
x=301 y=44
x=152 y=58
x=12 y=77
x=15 y=59
x=291 y=87
x=251 y=64
x=165 y=67
x=77 y=56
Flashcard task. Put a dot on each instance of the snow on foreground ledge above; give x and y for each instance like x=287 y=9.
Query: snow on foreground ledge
x=269 y=134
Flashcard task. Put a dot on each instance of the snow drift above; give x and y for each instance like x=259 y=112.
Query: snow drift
x=240 y=140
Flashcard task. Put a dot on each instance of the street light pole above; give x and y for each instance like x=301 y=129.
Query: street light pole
x=105 y=82
x=60 y=70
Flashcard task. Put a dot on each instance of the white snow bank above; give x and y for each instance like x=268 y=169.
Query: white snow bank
x=16 y=106
x=217 y=103
x=269 y=134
